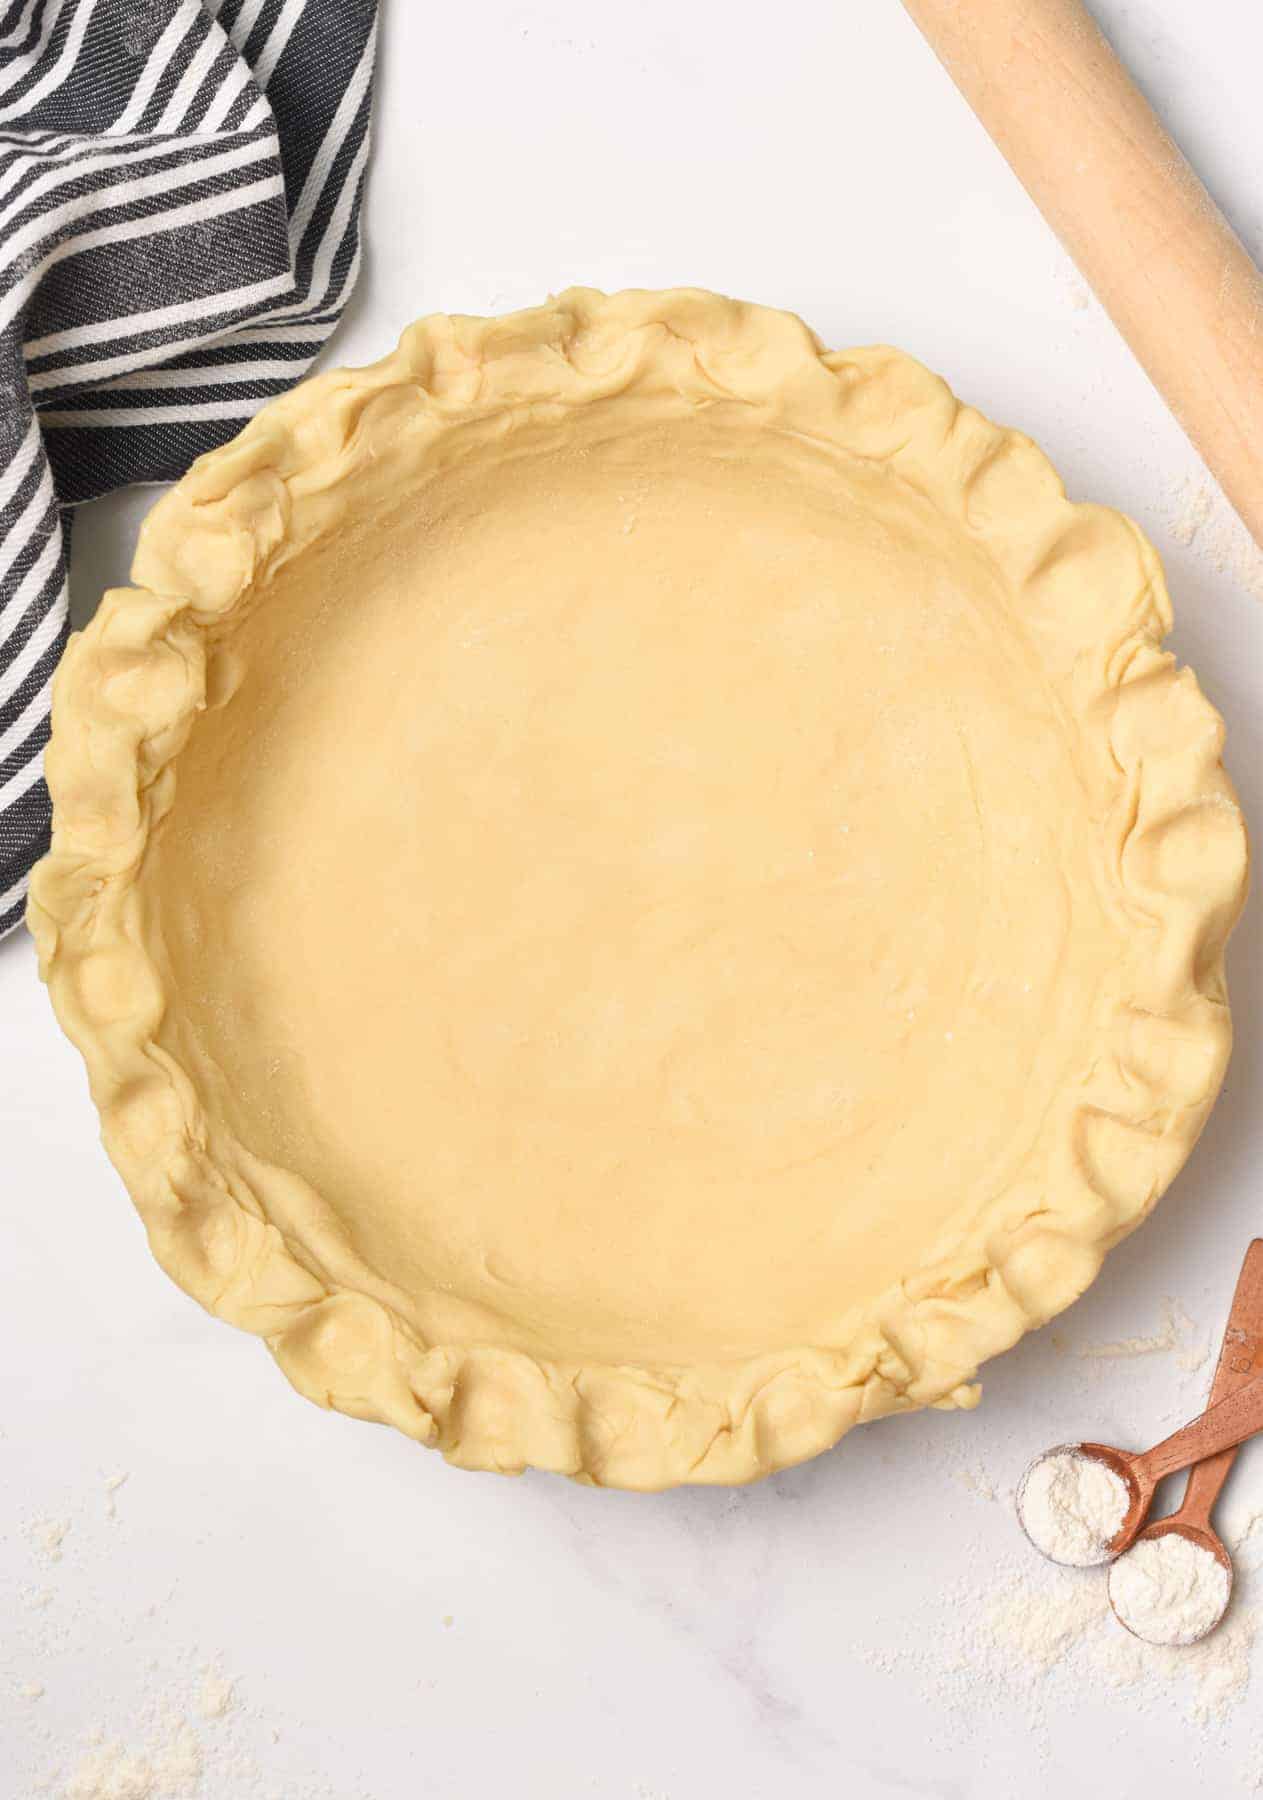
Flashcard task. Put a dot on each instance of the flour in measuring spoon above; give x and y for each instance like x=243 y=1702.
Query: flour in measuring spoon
x=1071 y=1506
x=1169 y=1590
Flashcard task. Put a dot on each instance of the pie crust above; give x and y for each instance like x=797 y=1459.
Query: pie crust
x=635 y=892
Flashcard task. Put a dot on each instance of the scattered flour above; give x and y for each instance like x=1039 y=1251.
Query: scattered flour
x=1201 y=517
x=1039 y=1638
x=1178 y=1335
x=1245 y=1538
x=177 y=1726
x=1071 y=1506
x=49 y=1535
x=216 y=1695
x=1196 y=504
x=181 y=1741
x=1133 y=1346
x=166 y=1769
x=1169 y=1590
x=1215 y=1673
x=1039 y=1628
x=1075 y=290
x=978 y=1483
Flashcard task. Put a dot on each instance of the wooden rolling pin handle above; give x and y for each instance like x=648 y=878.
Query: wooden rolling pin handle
x=1160 y=255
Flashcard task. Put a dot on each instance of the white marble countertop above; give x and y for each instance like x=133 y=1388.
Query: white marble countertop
x=868 y=1625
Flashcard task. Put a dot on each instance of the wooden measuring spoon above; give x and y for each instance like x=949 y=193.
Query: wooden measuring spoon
x=1240 y=1359
x=1219 y=1428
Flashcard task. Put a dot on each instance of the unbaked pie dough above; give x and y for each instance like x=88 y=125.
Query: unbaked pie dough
x=634 y=892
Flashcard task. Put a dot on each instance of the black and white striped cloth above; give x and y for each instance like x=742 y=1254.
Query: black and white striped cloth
x=180 y=186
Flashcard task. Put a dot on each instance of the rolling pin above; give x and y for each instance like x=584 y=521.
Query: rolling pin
x=1159 y=254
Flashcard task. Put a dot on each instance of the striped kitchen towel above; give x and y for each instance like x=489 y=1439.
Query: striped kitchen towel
x=180 y=187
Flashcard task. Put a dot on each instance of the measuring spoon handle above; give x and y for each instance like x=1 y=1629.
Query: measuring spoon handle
x=1240 y=1358
x=1219 y=1428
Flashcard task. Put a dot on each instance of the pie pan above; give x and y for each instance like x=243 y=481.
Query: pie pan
x=635 y=892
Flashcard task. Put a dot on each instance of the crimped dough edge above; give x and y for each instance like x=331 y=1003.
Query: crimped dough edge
x=1091 y=594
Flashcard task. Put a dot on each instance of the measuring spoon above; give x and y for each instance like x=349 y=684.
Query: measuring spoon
x=1239 y=1361
x=1219 y=1428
